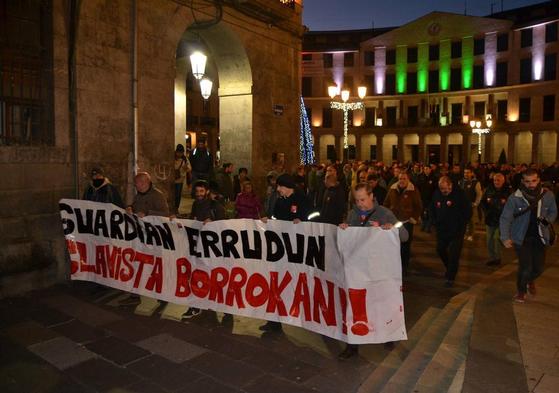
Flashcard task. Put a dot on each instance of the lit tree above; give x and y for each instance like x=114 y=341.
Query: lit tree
x=305 y=138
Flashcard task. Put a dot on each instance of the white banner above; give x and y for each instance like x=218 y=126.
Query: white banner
x=345 y=284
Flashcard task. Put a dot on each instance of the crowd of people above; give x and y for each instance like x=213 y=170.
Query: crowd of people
x=516 y=203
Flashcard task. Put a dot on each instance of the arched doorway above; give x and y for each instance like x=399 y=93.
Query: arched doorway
x=226 y=118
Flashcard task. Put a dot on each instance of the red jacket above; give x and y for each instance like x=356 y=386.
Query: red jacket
x=248 y=206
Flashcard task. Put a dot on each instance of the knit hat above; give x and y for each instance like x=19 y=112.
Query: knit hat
x=286 y=180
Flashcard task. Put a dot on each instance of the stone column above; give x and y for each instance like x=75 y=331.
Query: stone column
x=511 y=146
x=422 y=149
x=488 y=147
x=380 y=138
x=444 y=148
x=316 y=147
x=400 y=148
x=358 y=145
x=466 y=146
x=535 y=145
x=557 y=146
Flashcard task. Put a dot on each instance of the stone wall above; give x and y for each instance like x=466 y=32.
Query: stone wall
x=37 y=177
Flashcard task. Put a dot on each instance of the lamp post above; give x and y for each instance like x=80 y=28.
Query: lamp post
x=479 y=128
x=346 y=106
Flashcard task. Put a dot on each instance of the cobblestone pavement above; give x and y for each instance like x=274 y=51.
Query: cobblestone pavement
x=79 y=337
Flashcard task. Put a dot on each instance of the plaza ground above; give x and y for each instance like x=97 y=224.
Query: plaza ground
x=80 y=337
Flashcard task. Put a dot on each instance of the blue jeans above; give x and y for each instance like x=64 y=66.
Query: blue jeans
x=494 y=245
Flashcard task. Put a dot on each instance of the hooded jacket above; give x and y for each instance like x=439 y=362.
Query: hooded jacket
x=105 y=193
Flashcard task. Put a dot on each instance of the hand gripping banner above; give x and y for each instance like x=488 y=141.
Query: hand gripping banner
x=345 y=284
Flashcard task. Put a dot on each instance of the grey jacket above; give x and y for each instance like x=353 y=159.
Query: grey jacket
x=516 y=228
x=380 y=216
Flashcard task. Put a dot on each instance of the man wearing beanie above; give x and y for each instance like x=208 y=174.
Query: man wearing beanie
x=292 y=205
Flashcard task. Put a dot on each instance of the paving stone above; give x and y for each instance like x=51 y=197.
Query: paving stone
x=171 y=348
x=48 y=316
x=102 y=375
x=29 y=333
x=61 y=352
x=117 y=351
x=140 y=387
x=131 y=329
x=79 y=332
x=84 y=311
x=210 y=385
x=282 y=366
x=164 y=373
x=275 y=385
x=224 y=369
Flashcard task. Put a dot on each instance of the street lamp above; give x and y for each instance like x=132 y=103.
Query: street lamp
x=346 y=106
x=476 y=126
x=198 y=64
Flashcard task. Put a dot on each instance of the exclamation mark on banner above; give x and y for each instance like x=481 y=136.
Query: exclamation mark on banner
x=343 y=304
x=357 y=298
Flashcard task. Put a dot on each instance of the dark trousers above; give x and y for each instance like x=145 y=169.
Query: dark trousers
x=426 y=222
x=449 y=249
x=531 y=256
x=178 y=195
x=405 y=248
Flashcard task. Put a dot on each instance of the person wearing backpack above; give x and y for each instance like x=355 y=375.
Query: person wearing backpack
x=527 y=225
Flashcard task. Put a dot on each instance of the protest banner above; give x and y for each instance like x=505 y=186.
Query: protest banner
x=345 y=284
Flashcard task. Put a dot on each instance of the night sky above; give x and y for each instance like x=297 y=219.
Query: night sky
x=361 y=14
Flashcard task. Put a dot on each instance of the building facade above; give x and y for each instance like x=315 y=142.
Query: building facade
x=427 y=80
x=106 y=83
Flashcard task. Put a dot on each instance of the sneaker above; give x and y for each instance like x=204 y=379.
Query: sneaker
x=349 y=352
x=532 y=288
x=519 y=298
x=191 y=313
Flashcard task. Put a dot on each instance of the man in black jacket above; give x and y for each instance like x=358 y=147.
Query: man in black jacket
x=101 y=189
x=334 y=203
x=492 y=203
x=201 y=162
x=450 y=211
x=292 y=205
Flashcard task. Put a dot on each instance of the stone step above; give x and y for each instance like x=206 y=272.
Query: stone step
x=391 y=363
x=440 y=373
x=407 y=375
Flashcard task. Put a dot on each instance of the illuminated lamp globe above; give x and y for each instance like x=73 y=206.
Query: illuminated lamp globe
x=198 y=64
x=206 y=88
x=345 y=95
x=332 y=91
x=362 y=91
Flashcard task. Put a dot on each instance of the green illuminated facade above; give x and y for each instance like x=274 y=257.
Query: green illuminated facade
x=401 y=68
x=422 y=67
x=444 y=65
x=467 y=62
